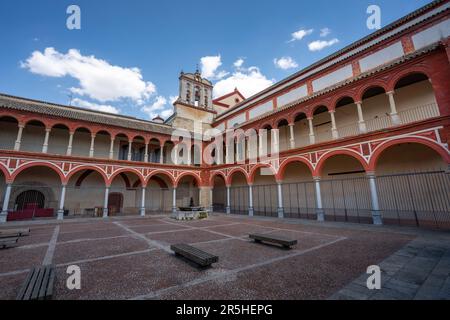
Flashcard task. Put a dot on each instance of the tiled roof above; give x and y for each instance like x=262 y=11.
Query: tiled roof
x=69 y=112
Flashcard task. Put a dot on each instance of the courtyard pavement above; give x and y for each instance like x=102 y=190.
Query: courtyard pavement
x=130 y=258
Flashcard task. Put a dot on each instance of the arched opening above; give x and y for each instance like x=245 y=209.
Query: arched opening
x=126 y=191
x=102 y=144
x=219 y=193
x=265 y=197
x=415 y=99
x=121 y=143
x=413 y=186
x=167 y=154
x=345 y=189
x=238 y=193
x=284 y=134
x=81 y=145
x=301 y=130
x=188 y=192
x=34 y=194
x=33 y=136
x=138 y=149
x=158 y=198
x=10 y=127
x=322 y=124
x=375 y=108
x=298 y=191
x=85 y=193
x=154 y=151
x=346 y=115
x=58 y=139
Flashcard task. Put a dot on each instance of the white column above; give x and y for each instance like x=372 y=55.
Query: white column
x=361 y=123
x=142 y=210
x=4 y=213
x=61 y=202
x=334 y=131
x=161 y=155
x=47 y=136
x=70 y=145
x=376 y=213
x=19 y=137
x=292 y=138
x=91 y=149
x=394 y=115
x=211 y=199
x=312 y=138
x=130 y=145
x=105 y=203
x=280 y=209
x=174 y=201
x=250 y=201
x=319 y=209
x=189 y=155
x=228 y=208
x=146 y=153
x=111 y=148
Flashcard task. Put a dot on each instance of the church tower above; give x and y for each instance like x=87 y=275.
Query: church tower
x=194 y=103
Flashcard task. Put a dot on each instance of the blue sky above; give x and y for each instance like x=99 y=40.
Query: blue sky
x=128 y=54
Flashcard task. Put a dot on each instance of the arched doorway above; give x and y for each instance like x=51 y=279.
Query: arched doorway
x=413 y=186
x=345 y=189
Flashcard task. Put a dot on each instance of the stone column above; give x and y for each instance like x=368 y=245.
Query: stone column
x=211 y=199
x=394 y=115
x=319 y=209
x=280 y=209
x=161 y=154
x=111 y=148
x=189 y=155
x=19 y=137
x=376 y=213
x=47 y=136
x=70 y=145
x=130 y=145
x=91 y=149
x=334 y=131
x=292 y=136
x=61 y=202
x=312 y=137
x=261 y=145
x=250 y=201
x=4 y=213
x=142 y=210
x=228 y=208
x=361 y=123
x=105 y=203
x=146 y=153
x=174 y=201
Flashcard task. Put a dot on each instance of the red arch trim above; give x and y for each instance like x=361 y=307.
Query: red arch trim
x=38 y=164
x=161 y=172
x=318 y=171
x=185 y=174
x=80 y=168
x=220 y=174
x=229 y=179
x=384 y=146
x=280 y=175
x=130 y=170
x=251 y=176
x=5 y=173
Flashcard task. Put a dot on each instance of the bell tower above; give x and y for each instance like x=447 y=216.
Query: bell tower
x=194 y=103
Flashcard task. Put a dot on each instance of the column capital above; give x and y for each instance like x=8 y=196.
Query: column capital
x=93 y=135
x=48 y=129
x=358 y=102
x=317 y=179
x=390 y=92
x=21 y=125
x=291 y=124
x=71 y=133
x=331 y=111
x=370 y=174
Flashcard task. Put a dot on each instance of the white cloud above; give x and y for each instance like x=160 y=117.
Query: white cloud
x=249 y=82
x=94 y=106
x=324 y=32
x=159 y=107
x=210 y=65
x=172 y=99
x=321 y=44
x=285 y=63
x=238 y=63
x=300 y=34
x=97 y=78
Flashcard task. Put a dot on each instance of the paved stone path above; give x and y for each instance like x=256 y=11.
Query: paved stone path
x=420 y=270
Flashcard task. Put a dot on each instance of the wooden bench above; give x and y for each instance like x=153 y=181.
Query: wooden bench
x=202 y=258
x=8 y=242
x=5 y=233
x=38 y=284
x=270 y=238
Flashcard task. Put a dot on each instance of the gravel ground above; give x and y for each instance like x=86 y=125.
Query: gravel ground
x=129 y=258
